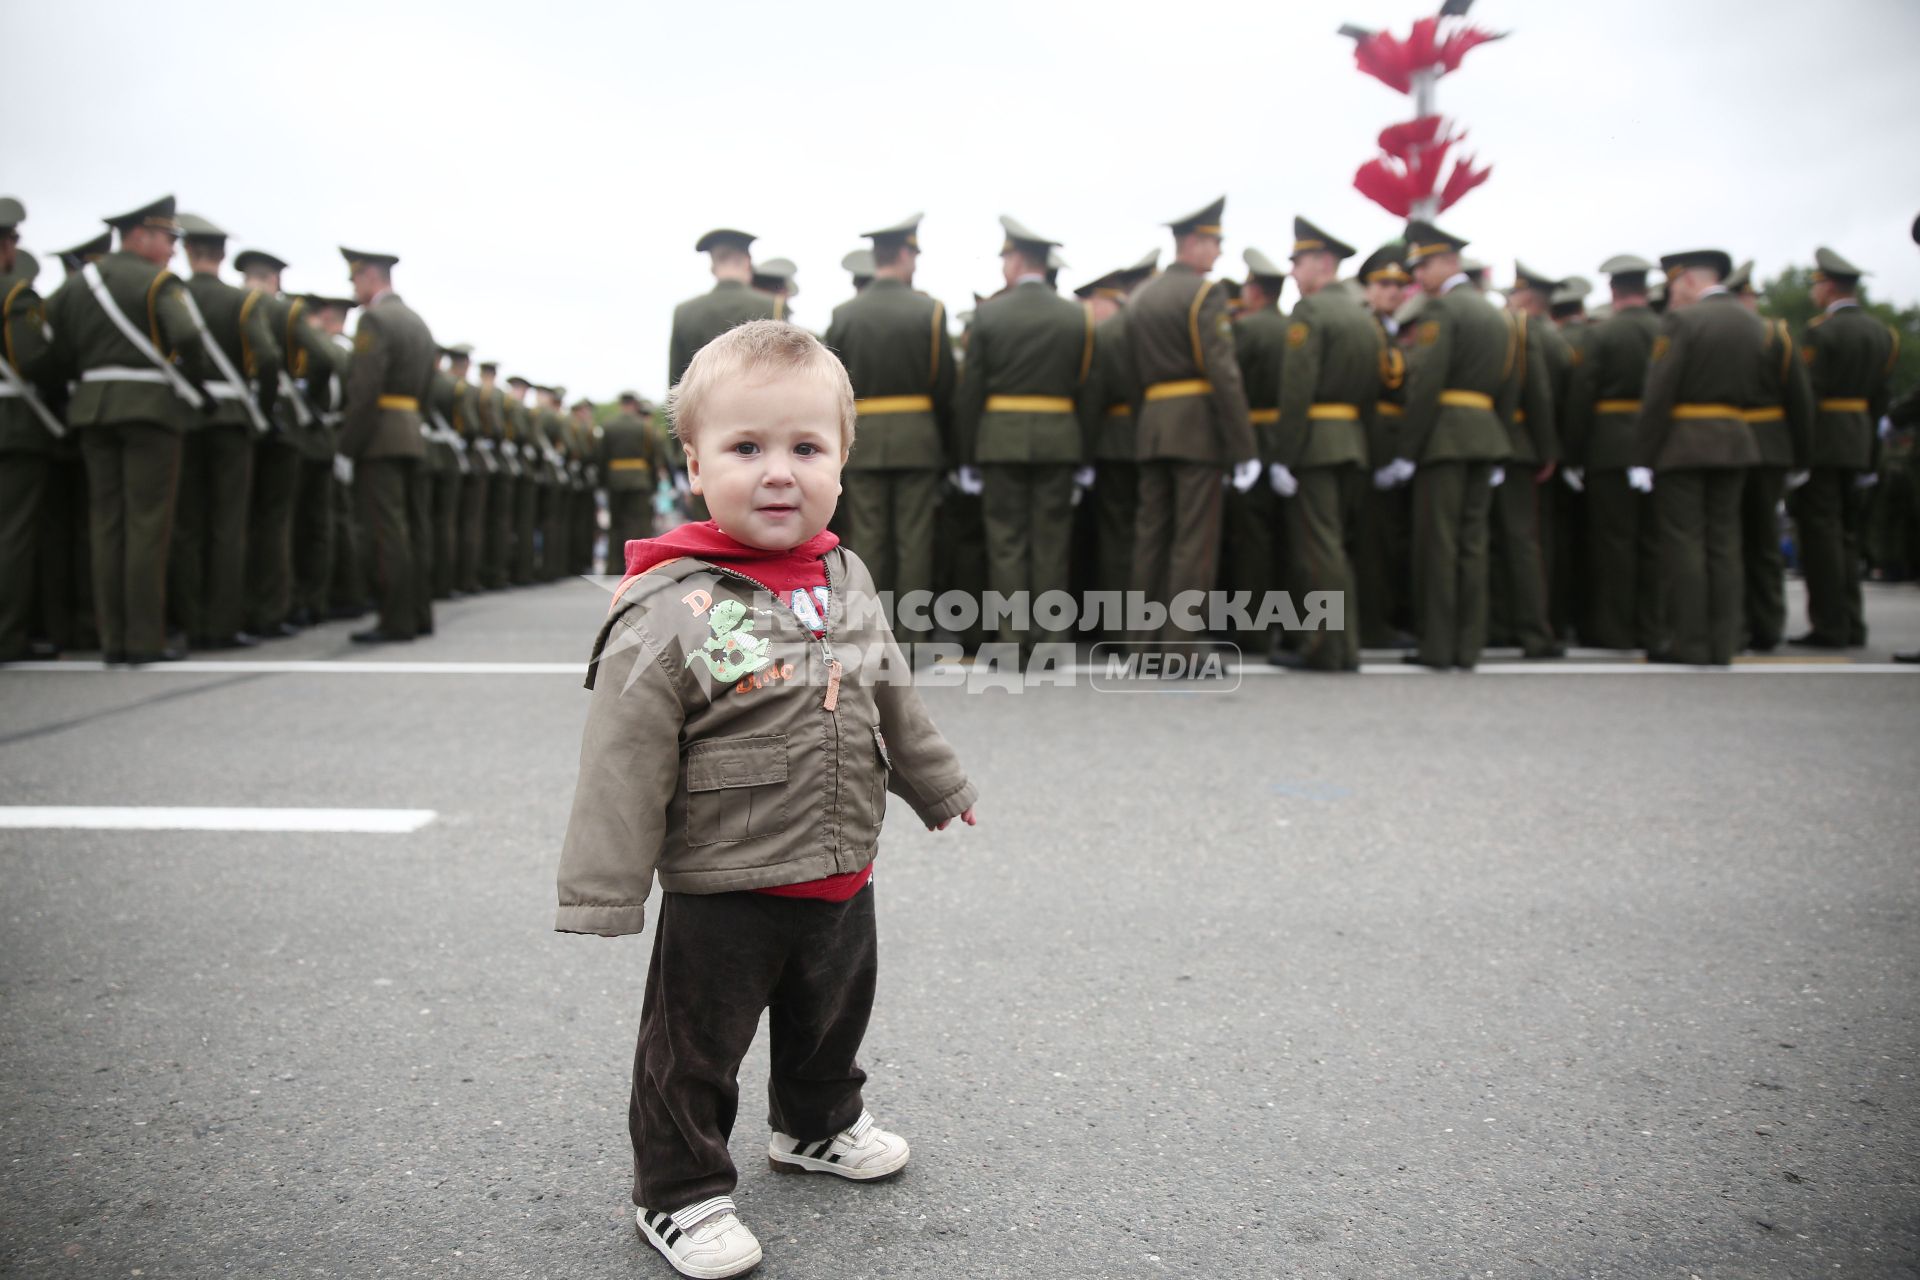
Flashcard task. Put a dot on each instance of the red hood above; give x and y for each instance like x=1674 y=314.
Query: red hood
x=705 y=541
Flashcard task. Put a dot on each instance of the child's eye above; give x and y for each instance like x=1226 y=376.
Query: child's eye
x=746 y=448
x=806 y=450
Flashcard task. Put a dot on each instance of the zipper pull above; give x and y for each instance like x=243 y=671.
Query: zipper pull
x=833 y=685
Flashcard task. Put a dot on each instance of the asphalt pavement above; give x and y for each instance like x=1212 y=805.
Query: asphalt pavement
x=1425 y=976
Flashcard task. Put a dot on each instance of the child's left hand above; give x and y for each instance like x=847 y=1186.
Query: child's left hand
x=966 y=817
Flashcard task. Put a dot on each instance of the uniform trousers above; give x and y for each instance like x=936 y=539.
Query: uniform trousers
x=1451 y=501
x=890 y=523
x=1832 y=517
x=1176 y=544
x=1699 y=514
x=133 y=482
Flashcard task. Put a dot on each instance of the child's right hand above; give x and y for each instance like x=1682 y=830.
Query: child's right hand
x=966 y=816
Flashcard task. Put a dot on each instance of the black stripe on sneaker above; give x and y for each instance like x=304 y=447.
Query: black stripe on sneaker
x=814 y=1149
x=834 y=1158
x=673 y=1234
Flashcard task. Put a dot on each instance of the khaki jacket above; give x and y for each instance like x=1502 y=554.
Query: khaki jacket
x=716 y=777
x=1192 y=406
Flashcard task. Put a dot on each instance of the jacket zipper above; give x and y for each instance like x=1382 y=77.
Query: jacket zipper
x=831 y=701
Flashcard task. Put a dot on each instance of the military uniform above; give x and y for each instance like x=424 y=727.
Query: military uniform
x=1330 y=385
x=634 y=461
x=390 y=377
x=315 y=369
x=497 y=552
x=1849 y=355
x=1110 y=394
x=131 y=415
x=1565 y=544
x=518 y=418
x=1781 y=421
x=698 y=321
x=1463 y=364
x=1021 y=423
x=206 y=571
x=556 y=493
x=1520 y=525
x=1383 y=551
x=1192 y=422
x=29 y=429
x=1622 y=567
x=455 y=401
x=1253 y=543
x=1707 y=369
x=899 y=357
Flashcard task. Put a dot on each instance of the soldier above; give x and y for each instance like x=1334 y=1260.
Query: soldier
x=1253 y=541
x=1111 y=391
x=549 y=436
x=859 y=265
x=526 y=485
x=135 y=399
x=1565 y=555
x=1383 y=556
x=583 y=449
x=1692 y=449
x=391 y=375
x=1450 y=440
x=291 y=462
x=454 y=407
x=334 y=577
x=1330 y=382
x=206 y=571
x=1603 y=403
x=441 y=479
x=1781 y=420
x=28 y=430
x=503 y=484
x=1021 y=428
x=899 y=357
x=732 y=300
x=1520 y=527
x=775 y=278
x=1192 y=415
x=1849 y=355
x=633 y=462
x=66 y=530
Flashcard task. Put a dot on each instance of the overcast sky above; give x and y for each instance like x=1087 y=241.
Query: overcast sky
x=543 y=170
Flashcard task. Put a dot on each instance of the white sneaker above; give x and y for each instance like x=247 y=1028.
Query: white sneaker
x=704 y=1239
x=862 y=1151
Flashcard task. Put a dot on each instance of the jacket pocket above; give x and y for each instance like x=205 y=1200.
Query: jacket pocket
x=736 y=788
x=880 y=777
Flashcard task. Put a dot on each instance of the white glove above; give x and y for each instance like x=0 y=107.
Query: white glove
x=1245 y=474
x=1497 y=477
x=968 y=479
x=1797 y=478
x=1394 y=474
x=1866 y=480
x=1886 y=427
x=1083 y=477
x=343 y=468
x=1282 y=479
x=1640 y=479
x=1576 y=478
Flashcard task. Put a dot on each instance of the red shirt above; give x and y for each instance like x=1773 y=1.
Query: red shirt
x=798 y=572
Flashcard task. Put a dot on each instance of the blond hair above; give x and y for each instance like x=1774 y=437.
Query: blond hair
x=755 y=349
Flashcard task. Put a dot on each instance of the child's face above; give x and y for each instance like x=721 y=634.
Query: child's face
x=766 y=457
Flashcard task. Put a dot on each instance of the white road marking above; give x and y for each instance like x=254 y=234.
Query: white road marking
x=132 y=818
x=239 y=666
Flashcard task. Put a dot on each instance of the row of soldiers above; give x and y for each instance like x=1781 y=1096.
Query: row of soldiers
x=1463 y=472
x=198 y=464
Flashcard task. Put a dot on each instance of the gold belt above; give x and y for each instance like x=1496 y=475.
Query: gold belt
x=1119 y=411
x=1175 y=390
x=1616 y=406
x=1029 y=404
x=400 y=402
x=1260 y=417
x=1686 y=412
x=629 y=464
x=1387 y=409
x=1467 y=399
x=1843 y=406
x=1333 y=411
x=1774 y=414
x=893 y=404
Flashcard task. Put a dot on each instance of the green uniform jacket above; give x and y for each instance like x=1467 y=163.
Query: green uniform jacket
x=393 y=360
x=1460 y=344
x=1849 y=355
x=1603 y=395
x=894 y=343
x=1110 y=392
x=1383 y=428
x=85 y=339
x=1179 y=333
x=1527 y=405
x=632 y=455
x=26 y=345
x=1330 y=382
x=698 y=321
x=551 y=438
x=1259 y=348
x=1028 y=341
x=1709 y=364
x=311 y=361
x=242 y=324
x=1782 y=420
